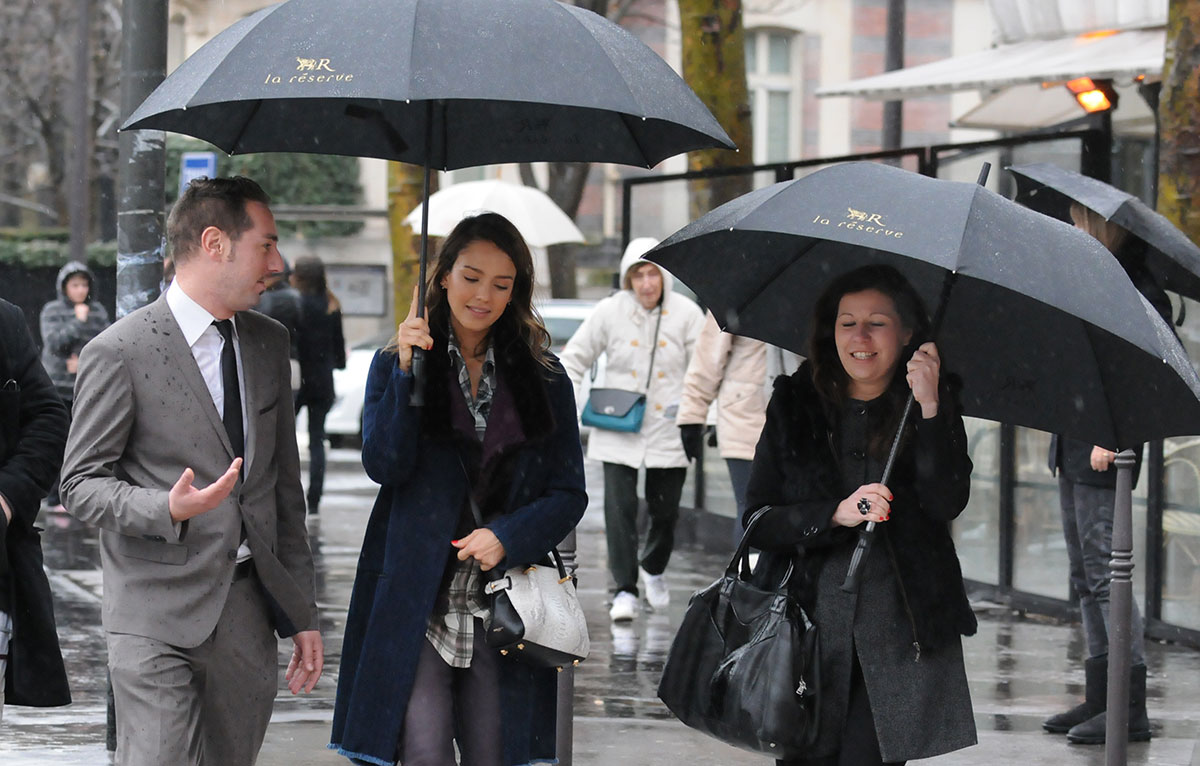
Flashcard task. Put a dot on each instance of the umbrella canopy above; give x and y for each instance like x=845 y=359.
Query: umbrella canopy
x=449 y=83
x=541 y=222
x=1172 y=258
x=1041 y=322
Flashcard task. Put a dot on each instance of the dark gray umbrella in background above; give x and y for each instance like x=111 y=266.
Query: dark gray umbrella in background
x=440 y=83
x=1171 y=257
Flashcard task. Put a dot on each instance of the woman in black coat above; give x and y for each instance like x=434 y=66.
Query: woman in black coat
x=893 y=683
x=322 y=348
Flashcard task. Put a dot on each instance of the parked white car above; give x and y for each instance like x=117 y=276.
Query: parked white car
x=344 y=422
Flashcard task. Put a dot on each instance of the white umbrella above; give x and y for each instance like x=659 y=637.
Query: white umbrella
x=540 y=221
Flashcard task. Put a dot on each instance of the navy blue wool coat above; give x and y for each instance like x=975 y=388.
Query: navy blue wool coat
x=530 y=486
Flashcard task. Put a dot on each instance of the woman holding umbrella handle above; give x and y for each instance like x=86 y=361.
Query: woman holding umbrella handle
x=894 y=685
x=498 y=429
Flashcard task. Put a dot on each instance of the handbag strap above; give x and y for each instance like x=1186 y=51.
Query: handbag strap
x=654 y=345
x=741 y=556
x=495 y=573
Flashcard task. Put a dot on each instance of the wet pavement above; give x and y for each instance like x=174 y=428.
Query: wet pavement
x=1021 y=669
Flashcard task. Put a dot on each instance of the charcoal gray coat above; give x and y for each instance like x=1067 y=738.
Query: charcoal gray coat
x=906 y=620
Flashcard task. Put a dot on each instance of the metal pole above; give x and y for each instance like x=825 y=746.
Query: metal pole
x=142 y=158
x=1116 y=731
x=893 y=58
x=565 y=720
x=79 y=198
x=141 y=177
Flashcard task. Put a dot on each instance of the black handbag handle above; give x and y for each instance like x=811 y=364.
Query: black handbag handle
x=741 y=556
x=495 y=573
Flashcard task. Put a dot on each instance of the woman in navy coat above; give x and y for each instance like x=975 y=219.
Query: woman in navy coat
x=498 y=421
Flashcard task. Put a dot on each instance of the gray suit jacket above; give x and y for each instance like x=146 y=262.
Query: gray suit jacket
x=142 y=414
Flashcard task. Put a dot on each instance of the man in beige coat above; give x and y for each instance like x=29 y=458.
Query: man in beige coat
x=732 y=370
x=183 y=452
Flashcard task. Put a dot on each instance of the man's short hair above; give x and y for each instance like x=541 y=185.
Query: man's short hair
x=219 y=202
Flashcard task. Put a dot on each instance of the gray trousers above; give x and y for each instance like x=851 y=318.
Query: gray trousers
x=451 y=705
x=202 y=706
x=1087 y=519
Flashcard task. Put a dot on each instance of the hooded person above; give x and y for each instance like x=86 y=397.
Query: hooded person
x=647 y=333
x=67 y=323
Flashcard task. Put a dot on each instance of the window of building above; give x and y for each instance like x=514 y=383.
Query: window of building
x=773 y=76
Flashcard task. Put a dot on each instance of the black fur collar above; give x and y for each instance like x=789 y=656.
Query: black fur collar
x=521 y=389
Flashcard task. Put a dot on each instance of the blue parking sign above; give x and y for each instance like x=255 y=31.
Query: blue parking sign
x=196 y=165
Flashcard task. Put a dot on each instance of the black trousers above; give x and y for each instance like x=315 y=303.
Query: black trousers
x=663 y=488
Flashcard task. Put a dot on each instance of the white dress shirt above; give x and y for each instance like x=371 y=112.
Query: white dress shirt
x=206 y=343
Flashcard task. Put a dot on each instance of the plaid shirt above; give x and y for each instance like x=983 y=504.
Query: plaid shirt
x=453 y=635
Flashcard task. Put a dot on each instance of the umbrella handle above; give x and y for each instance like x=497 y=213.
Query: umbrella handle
x=854 y=573
x=416 y=396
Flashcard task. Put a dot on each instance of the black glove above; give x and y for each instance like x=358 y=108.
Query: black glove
x=692 y=434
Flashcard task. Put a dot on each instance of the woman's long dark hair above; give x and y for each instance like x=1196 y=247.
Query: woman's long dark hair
x=519 y=323
x=308 y=278
x=830 y=378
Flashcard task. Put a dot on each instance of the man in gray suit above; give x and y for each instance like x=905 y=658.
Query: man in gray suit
x=183 y=452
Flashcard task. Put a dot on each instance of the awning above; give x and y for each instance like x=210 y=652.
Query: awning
x=1020 y=108
x=1119 y=56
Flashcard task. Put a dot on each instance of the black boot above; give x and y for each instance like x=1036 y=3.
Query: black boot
x=1094 y=701
x=1092 y=731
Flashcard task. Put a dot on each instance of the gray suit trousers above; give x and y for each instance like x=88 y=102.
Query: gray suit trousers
x=203 y=706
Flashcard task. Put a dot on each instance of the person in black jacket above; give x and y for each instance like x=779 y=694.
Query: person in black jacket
x=1087 y=485
x=281 y=302
x=893 y=681
x=322 y=348
x=67 y=323
x=33 y=431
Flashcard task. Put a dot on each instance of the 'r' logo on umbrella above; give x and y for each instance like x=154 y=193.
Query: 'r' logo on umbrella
x=312 y=65
x=859 y=215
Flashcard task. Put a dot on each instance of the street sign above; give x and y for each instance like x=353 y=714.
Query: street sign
x=194 y=165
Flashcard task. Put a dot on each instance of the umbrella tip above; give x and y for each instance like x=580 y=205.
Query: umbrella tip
x=983 y=173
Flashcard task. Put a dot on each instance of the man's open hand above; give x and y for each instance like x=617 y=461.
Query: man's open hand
x=185 y=501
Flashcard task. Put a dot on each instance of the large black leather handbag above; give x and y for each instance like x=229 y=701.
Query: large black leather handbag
x=744 y=665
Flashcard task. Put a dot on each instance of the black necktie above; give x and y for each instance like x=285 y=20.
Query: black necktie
x=232 y=416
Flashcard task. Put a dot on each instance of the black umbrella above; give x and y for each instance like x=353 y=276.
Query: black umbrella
x=1038 y=319
x=441 y=83
x=1040 y=322
x=1172 y=258
x=502 y=80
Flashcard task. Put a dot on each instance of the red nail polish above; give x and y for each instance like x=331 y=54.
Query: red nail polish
x=454 y=542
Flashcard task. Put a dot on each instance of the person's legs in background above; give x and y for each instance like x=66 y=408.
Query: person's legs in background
x=1094 y=522
x=663 y=488
x=620 y=534
x=739 y=478
x=317 y=413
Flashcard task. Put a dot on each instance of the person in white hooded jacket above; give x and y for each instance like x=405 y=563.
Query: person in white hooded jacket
x=623 y=327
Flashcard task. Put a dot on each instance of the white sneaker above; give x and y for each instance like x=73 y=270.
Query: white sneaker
x=657 y=593
x=624 y=608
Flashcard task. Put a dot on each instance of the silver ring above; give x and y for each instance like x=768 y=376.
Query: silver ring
x=864 y=506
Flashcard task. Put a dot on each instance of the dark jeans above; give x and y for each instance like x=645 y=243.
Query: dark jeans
x=739 y=477
x=1087 y=519
x=663 y=488
x=317 y=412
x=454 y=704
